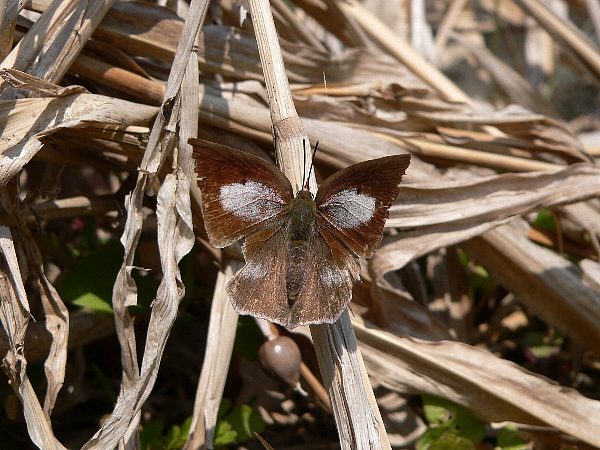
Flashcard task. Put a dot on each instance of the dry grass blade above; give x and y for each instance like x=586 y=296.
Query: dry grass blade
x=455 y=213
x=223 y=321
x=28 y=121
x=568 y=303
x=55 y=311
x=515 y=86
x=493 y=198
x=566 y=33
x=14 y=314
x=56 y=39
x=175 y=239
x=499 y=390
x=393 y=45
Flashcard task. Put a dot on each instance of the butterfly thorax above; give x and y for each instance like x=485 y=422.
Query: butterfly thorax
x=302 y=227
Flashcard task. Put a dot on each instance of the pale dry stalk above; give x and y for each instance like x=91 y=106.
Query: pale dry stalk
x=357 y=414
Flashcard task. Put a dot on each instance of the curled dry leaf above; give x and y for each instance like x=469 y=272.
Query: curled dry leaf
x=455 y=211
x=26 y=121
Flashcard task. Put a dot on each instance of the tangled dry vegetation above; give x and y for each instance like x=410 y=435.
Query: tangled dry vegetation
x=485 y=291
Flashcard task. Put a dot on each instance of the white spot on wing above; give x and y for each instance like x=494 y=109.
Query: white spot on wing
x=256 y=269
x=349 y=208
x=251 y=201
x=330 y=276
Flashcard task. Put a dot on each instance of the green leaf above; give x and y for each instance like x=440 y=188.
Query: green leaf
x=185 y=426
x=90 y=282
x=244 y=420
x=478 y=278
x=174 y=440
x=429 y=437
x=453 y=417
x=92 y=301
x=450 y=441
x=150 y=435
x=540 y=347
x=435 y=413
x=545 y=220
x=177 y=435
x=224 y=435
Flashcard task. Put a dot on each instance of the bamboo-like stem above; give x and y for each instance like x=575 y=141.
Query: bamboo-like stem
x=357 y=416
x=469 y=156
x=223 y=319
x=291 y=140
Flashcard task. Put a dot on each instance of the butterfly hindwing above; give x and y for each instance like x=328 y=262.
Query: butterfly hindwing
x=240 y=192
x=329 y=272
x=353 y=203
x=259 y=287
x=328 y=281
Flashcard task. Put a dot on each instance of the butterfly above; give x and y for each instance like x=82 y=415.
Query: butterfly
x=302 y=254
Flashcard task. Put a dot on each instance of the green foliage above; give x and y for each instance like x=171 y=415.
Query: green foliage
x=451 y=426
x=224 y=435
x=238 y=425
x=151 y=437
x=90 y=283
x=542 y=346
x=177 y=435
x=545 y=220
x=478 y=278
x=443 y=439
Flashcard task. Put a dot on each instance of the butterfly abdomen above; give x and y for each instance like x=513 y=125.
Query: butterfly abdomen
x=302 y=226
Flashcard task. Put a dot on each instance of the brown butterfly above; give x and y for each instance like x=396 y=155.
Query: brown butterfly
x=301 y=254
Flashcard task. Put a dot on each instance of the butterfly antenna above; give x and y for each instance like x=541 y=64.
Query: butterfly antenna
x=312 y=163
x=304 y=179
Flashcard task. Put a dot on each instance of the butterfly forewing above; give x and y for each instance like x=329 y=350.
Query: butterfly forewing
x=240 y=192
x=353 y=203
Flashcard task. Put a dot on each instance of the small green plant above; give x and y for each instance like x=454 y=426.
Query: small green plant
x=151 y=437
x=452 y=426
x=238 y=425
x=479 y=279
x=542 y=346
